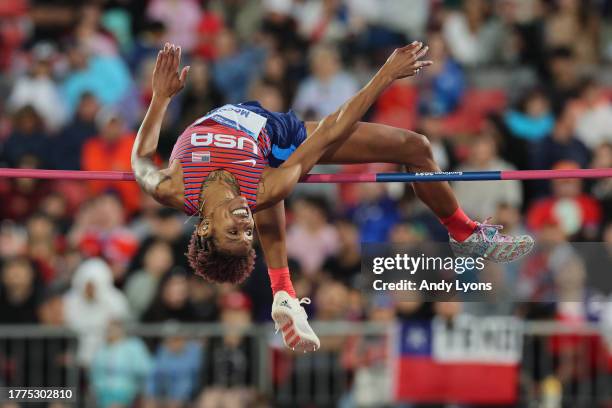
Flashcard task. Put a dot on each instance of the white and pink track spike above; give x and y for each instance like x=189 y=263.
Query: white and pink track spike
x=290 y=318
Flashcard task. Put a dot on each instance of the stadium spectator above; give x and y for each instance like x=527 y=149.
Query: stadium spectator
x=119 y=368
x=20 y=291
x=481 y=200
x=575 y=25
x=375 y=213
x=68 y=146
x=107 y=77
x=181 y=19
x=141 y=286
x=176 y=369
x=51 y=308
x=345 y=264
x=593 y=116
x=39 y=90
x=20 y=197
x=147 y=44
x=367 y=355
x=200 y=95
x=510 y=217
x=209 y=26
x=229 y=364
x=90 y=305
x=441 y=87
x=322 y=21
x=441 y=147
x=533 y=119
x=29 y=138
x=117 y=22
x=602 y=189
x=472 y=35
x=14 y=30
x=562 y=144
x=101 y=232
x=562 y=79
x=171 y=301
x=280 y=74
x=235 y=67
x=269 y=96
x=331 y=300
x=90 y=35
x=202 y=296
x=311 y=239
x=280 y=26
x=328 y=87
x=406 y=232
x=388 y=19
x=577 y=213
x=111 y=150
x=166 y=225
x=43 y=245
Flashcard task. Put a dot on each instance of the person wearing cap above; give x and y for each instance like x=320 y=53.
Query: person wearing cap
x=576 y=212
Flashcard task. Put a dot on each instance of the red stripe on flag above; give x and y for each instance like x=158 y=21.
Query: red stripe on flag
x=420 y=379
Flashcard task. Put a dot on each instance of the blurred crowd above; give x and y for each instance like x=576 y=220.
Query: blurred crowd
x=517 y=84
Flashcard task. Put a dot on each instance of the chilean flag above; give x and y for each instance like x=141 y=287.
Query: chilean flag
x=472 y=361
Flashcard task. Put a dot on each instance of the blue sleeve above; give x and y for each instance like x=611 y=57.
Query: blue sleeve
x=451 y=86
x=96 y=371
x=151 y=386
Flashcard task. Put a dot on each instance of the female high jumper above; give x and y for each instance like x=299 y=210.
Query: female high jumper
x=239 y=160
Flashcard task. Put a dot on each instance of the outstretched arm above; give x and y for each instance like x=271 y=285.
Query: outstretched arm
x=166 y=83
x=404 y=62
x=271 y=233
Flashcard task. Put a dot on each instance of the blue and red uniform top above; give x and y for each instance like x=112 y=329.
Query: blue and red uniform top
x=230 y=138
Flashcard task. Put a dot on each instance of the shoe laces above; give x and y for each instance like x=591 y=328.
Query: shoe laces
x=495 y=238
x=303 y=301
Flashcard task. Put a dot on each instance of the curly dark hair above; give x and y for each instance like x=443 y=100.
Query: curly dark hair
x=217 y=266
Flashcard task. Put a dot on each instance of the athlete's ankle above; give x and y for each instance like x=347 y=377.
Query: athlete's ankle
x=459 y=225
x=280 y=279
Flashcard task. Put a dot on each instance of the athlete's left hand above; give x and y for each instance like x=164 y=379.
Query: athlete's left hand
x=406 y=61
x=167 y=81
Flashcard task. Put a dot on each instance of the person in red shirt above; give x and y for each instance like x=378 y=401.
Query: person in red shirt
x=575 y=211
x=111 y=150
x=209 y=26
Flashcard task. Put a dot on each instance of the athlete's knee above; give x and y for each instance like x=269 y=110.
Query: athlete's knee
x=424 y=145
x=416 y=145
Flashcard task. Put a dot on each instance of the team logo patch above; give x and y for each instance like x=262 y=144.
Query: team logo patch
x=200 y=157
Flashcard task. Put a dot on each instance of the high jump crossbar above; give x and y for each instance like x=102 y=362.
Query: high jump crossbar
x=340 y=178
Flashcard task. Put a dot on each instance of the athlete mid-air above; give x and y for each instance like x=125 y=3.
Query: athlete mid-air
x=240 y=160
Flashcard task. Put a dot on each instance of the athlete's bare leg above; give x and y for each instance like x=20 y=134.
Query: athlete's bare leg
x=375 y=143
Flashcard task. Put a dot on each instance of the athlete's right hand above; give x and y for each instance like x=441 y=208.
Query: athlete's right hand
x=166 y=78
x=406 y=61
